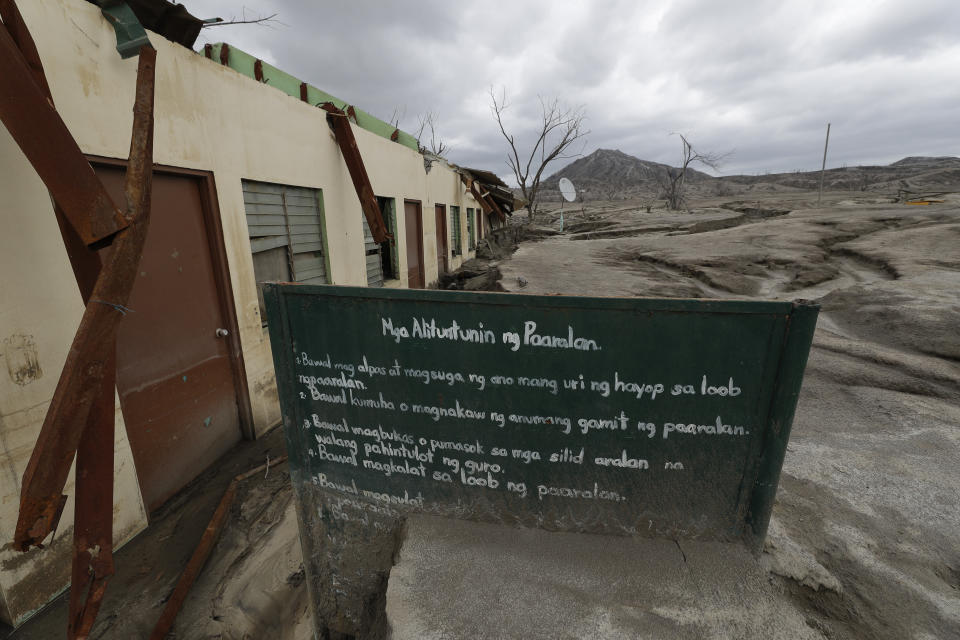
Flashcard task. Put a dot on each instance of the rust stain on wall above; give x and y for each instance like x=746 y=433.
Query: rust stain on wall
x=23 y=362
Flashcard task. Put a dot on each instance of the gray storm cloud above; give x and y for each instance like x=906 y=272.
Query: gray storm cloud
x=759 y=78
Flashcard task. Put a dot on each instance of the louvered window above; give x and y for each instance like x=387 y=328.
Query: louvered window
x=470 y=241
x=455 y=230
x=285 y=224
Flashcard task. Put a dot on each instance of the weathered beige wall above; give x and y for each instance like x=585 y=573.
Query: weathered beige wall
x=208 y=117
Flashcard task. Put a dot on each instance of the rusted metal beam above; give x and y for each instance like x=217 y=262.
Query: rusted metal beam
x=17 y=28
x=208 y=50
x=340 y=124
x=487 y=203
x=197 y=560
x=492 y=202
x=41 y=134
x=91 y=354
x=93 y=511
x=224 y=54
x=258 y=70
x=303 y=92
x=202 y=552
x=93 y=507
x=475 y=192
x=496 y=207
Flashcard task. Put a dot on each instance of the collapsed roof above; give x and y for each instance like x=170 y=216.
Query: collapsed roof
x=492 y=184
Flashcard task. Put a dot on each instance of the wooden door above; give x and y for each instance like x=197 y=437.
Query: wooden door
x=479 y=225
x=176 y=371
x=414 y=226
x=442 y=247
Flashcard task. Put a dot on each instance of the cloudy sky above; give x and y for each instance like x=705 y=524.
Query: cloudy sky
x=760 y=78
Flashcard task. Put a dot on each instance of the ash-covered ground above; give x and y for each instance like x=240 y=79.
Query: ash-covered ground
x=864 y=541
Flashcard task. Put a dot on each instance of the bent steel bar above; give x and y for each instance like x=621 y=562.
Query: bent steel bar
x=13 y=21
x=338 y=120
x=93 y=508
x=93 y=511
x=41 y=134
x=89 y=357
x=203 y=550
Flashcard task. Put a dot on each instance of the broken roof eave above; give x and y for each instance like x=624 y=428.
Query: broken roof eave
x=172 y=21
x=491 y=186
x=486 y=177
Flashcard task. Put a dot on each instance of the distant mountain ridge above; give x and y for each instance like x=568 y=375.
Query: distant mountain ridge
x=925 y=161
x=609 y=174
x=613 y=174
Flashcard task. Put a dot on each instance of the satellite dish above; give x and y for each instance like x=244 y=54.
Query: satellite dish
x=567 y=190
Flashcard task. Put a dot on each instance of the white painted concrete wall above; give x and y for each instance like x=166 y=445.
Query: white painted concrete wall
x=208 y=117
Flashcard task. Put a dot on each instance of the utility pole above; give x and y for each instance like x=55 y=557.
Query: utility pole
x=824 y=167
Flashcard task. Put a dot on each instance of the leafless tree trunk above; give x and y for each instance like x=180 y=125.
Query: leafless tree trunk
x=560 y=127
x=673 y=184
x=428 y=123
x=266 y=20
x=398 y=114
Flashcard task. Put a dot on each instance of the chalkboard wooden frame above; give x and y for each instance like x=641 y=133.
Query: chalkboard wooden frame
x=782 y=331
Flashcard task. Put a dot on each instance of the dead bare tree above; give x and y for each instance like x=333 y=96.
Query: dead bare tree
x=434 y=144
x=559 y=128
x=673 y=183
x=268 y=21
x=399 y=113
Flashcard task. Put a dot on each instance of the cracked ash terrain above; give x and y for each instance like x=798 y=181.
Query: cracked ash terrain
x=864 y=541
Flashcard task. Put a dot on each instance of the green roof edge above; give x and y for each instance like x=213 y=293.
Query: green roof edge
x=243 y=62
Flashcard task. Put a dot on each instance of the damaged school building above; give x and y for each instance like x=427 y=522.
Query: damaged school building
x=257 y=176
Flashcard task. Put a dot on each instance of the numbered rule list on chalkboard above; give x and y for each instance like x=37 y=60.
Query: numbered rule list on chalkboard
x=624 y=416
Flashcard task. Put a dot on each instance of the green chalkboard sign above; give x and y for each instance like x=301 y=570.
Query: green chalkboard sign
x=607 y=415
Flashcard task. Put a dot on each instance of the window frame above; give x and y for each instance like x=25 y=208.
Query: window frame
x=456 y=236
x=285 y=239
x=471 y=231
x=389 y=214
